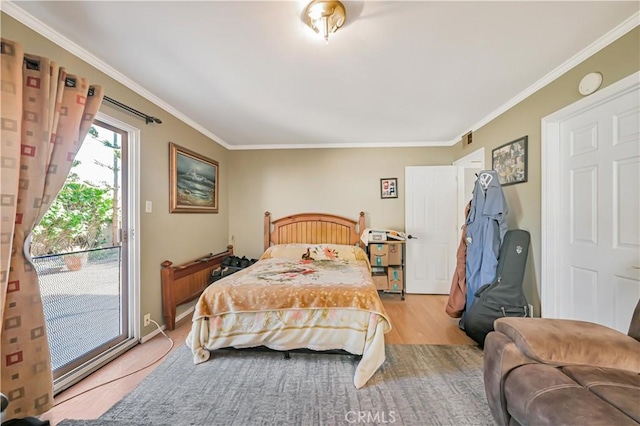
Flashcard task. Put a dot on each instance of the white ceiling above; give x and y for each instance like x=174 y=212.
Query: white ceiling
x=252 y=75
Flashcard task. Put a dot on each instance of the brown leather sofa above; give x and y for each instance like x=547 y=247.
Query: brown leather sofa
x=541 y=371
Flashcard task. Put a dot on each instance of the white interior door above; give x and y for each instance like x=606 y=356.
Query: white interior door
x=598 y=203
x=469 y=167
x=466 y=182
x=431 y=215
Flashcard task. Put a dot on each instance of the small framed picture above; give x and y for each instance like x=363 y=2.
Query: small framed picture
x=510 y=161
x=389 y=188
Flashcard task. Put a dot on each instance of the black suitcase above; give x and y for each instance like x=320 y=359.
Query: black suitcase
x=503 y=297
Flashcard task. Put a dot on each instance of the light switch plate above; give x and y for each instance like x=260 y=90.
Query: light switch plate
x=148 y=207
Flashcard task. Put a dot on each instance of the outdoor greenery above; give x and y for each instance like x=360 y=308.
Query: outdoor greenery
x=82 y=216
x=75 y=221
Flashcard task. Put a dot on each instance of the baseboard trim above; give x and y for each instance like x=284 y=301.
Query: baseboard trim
x=155 y=332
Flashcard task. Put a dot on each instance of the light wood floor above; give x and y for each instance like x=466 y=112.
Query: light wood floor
x=419 y=319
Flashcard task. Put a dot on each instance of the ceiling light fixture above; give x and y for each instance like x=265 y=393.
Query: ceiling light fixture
x=324 y=17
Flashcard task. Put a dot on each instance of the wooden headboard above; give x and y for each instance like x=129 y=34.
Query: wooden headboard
x=185 y=282
x=313 y=228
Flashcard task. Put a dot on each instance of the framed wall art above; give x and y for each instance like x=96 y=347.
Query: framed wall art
x=510 y=161
x=193 y=181
x=389 y=188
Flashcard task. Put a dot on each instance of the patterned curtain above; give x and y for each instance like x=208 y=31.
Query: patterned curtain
x=45 y=116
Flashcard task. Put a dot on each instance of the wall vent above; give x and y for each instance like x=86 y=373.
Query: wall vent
x=467 y=139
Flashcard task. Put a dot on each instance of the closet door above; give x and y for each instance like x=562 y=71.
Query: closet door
x=431 y=215
x=600 y=201
x=591 y=200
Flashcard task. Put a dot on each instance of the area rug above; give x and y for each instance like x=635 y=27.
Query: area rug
x=417 y=385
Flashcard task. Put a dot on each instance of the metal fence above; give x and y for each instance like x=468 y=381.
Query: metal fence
x=82 y=301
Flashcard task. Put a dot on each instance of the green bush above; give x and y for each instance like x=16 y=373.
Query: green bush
x=76 y=220
x=105 y=255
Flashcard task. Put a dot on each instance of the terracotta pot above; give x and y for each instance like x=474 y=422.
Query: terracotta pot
x=73 y=263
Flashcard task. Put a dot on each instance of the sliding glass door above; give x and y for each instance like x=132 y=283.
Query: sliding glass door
x=80 y=250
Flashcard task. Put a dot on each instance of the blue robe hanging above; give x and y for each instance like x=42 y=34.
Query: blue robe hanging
x=486 y=226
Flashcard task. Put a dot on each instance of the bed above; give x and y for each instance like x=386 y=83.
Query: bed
x=311 y=289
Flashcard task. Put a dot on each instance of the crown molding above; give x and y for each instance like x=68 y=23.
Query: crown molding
x=340 y=145
x=613 y=35
x=16 y=12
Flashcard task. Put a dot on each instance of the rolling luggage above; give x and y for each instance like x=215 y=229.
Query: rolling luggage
x=503 y=297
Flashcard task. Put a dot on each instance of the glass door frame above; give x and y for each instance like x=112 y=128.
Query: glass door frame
x=130 y=261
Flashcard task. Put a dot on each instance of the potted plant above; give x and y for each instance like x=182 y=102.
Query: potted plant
x=75 y=222
x=75 y=261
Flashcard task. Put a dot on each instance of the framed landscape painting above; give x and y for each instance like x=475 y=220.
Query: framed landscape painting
x=193 y=181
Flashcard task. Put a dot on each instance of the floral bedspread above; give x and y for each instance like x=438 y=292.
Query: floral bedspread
x=328 y=277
